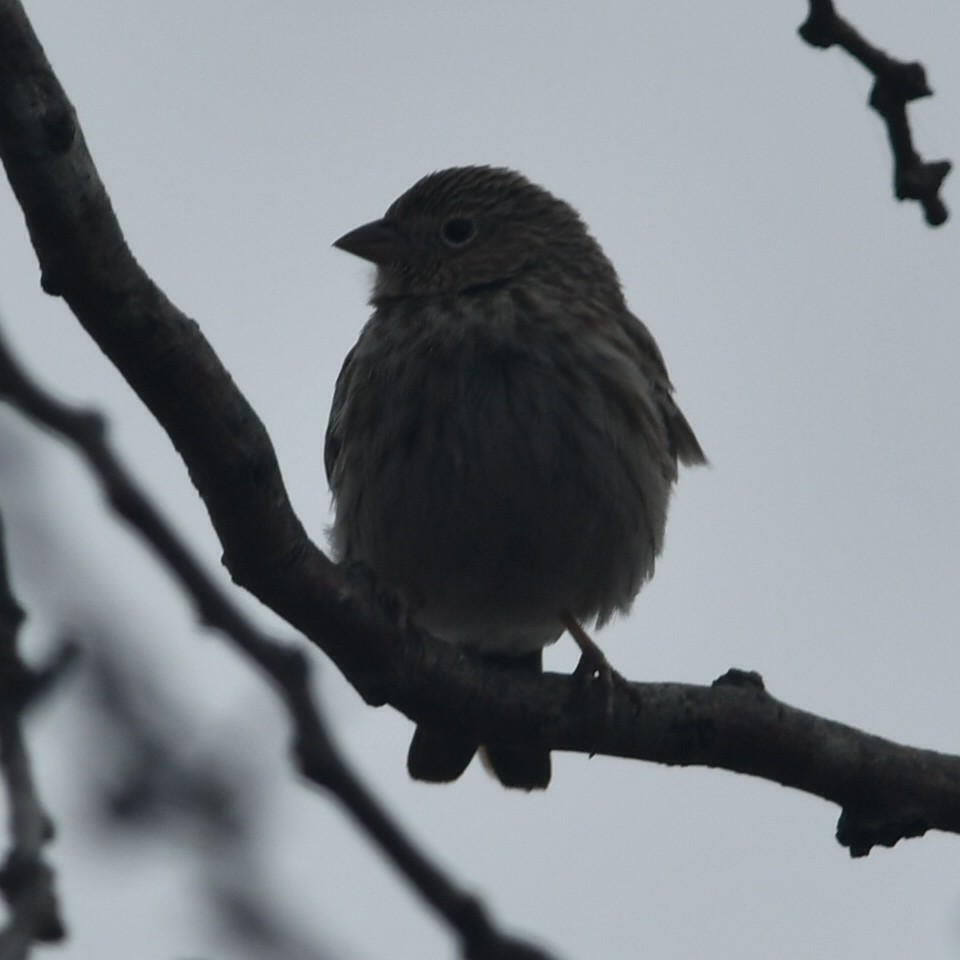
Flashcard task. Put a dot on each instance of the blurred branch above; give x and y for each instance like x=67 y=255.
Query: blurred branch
x=285 y=666
x=886 y=791
x=153 y=778
x=896 y=84
x=26 y=879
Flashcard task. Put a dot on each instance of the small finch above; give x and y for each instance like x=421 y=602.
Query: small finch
x=503 y=439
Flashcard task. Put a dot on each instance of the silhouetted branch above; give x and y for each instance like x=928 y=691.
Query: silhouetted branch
x=886 y=791
x=26 y=879
x=155 y=779
x=897 y=83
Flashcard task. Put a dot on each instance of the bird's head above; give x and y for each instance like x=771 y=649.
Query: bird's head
x=469 y=228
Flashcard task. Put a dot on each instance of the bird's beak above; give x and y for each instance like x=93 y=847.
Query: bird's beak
x=379 y=241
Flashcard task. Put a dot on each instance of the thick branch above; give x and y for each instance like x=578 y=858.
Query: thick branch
x=886 y=791
x=897 y=83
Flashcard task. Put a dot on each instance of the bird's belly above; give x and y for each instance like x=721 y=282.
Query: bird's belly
x=505 y=503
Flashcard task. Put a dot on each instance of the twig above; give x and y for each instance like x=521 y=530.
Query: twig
x=26 y=879
x=284 y=665
x=896 y=84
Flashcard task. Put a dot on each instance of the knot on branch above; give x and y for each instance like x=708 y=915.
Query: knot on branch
x=740 y=678
x=820 y=29
x=860 y=829
x=898 y=85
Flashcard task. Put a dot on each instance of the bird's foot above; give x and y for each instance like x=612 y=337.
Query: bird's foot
x=593 y=667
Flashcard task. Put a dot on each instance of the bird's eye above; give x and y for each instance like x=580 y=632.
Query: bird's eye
x=457 y=231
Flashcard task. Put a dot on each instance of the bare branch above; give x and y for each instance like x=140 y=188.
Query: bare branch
x=886 y=791
x=26 y=879
x=897 y=83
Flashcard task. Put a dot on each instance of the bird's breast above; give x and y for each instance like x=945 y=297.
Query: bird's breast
x=500 y=484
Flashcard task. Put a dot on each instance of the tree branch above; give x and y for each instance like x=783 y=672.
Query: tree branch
x=26 y=879
x=897 y=83
x=886 y=791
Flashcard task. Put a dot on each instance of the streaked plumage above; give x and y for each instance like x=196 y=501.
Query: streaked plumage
x=504 y=438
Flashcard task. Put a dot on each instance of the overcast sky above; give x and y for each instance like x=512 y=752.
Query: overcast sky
x=742 y=188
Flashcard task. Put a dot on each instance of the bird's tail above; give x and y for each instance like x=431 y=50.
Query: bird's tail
x=440 y=757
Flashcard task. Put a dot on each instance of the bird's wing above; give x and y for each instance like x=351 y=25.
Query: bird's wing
x=683 y=442
x=334 y=438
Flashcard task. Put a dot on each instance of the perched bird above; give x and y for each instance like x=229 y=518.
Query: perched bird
x=503 y=439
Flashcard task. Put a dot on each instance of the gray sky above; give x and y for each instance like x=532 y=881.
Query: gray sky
x=742 y=188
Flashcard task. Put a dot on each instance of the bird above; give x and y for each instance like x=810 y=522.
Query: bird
x=503 y=438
